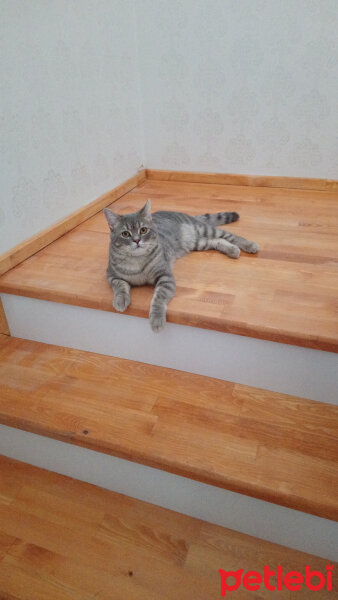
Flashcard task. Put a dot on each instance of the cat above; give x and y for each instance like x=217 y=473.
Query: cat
x=144 y=247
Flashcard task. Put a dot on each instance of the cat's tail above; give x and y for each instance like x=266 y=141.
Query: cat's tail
x=221 y=218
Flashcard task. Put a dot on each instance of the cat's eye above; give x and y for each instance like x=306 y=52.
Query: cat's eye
x=125 y=234
x=143 y=230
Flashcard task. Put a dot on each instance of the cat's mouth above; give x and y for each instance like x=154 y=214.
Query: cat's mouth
x=138 y=250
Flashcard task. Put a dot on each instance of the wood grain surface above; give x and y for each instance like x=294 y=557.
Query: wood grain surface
x=271 y=446
x=3 y=321
x=28 y=247
x=286 y=293
x=62 y=539
x=304 y=183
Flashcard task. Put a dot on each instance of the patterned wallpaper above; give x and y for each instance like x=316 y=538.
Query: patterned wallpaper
x=240 y=86
x=69 y=108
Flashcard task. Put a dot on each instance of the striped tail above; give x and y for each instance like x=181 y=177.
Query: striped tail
x=221 y=218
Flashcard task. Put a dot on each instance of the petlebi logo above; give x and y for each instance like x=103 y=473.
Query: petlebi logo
x=283 y=580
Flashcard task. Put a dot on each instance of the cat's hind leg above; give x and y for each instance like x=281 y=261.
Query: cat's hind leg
x=237 y=240
x=213 y=238
x=219 y=244
x=226 y=247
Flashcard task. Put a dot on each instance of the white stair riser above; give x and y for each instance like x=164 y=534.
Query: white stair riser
x=255 y=517
x=302 y=372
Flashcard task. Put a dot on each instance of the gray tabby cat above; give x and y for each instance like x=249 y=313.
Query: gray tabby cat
x=144 y=247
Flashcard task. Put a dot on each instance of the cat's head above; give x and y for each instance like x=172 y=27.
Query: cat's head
x=133 y=234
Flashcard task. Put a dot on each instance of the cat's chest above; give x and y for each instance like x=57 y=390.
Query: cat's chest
x=133 y=272
x=137 y=279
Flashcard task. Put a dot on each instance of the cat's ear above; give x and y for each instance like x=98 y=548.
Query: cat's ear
x=146 y=210
x=111 y=217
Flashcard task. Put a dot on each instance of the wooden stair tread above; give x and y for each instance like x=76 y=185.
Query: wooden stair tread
x=270 y=446
x=286 y=293
x=63 y=539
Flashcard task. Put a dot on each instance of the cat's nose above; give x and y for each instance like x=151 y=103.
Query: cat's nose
x=137 y=240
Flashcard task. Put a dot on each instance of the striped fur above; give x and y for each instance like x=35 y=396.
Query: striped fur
x=221 y=218
x=144 y=247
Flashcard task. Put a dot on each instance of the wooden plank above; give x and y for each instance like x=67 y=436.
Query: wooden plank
x=286 y=293
x=4 y=329
x=270 y=446
x=302 y=183
x=25 y=249
x=62 y=539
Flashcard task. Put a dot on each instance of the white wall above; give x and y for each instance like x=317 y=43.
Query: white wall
x=69 y=112
x=240 y=86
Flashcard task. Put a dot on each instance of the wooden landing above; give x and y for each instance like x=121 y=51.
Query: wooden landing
x=270 y=446
x=286 y=293
x=61 y=539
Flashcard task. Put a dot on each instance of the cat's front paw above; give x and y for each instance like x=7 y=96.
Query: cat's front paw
x=121 y=302
x=157 y=322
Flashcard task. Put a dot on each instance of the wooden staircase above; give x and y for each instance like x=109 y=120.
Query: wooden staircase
x=236 y=310
x=230 y=415
x=270 y=446
x=63 y=539
x=285 y=293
